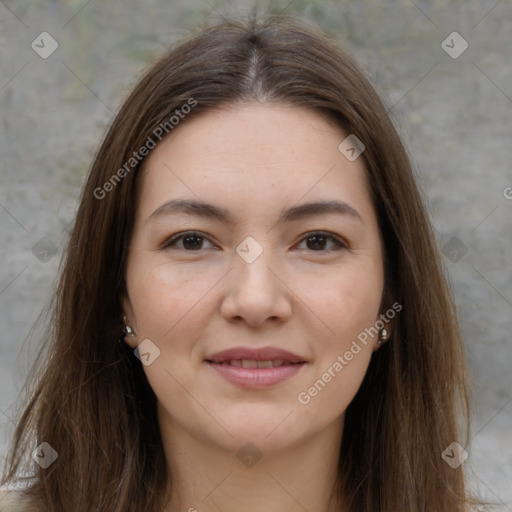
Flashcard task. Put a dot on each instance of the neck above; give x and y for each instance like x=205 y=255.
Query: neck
x=209 y=478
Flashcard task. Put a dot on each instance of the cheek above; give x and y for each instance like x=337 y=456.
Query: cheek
x=165 y=296
x=348 y=302
x=350 y=305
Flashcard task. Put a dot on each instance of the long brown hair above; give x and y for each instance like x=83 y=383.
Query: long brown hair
x=91 y=400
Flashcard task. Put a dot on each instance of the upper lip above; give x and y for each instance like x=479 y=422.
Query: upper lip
x=255 y=354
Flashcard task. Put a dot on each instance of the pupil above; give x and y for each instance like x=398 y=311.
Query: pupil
x=192 y=237
x=316 y=238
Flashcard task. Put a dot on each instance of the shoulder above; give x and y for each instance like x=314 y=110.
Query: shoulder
x=13 y=501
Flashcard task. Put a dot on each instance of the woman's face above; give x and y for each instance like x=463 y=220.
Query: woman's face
x=256 y=280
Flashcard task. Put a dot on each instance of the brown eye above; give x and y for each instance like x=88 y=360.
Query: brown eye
x=192 y=241
x=317 y=241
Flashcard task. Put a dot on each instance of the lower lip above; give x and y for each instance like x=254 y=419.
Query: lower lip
x=255 y=378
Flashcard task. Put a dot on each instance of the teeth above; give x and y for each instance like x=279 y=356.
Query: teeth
x=265 y=364
x=249 y=363
x=246 y=363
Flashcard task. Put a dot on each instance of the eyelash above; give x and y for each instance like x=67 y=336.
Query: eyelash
x=338 y=242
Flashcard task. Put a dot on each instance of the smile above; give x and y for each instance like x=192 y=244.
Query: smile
x=255 y=368
x=252 y=363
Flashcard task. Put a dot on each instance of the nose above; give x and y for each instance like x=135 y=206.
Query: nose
x=256 y=292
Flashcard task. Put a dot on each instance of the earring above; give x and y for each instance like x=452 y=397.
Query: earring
x=383 y=337
x=127 y=329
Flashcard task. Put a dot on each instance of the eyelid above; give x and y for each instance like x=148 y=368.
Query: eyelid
x=339 y=242
x=174 y=238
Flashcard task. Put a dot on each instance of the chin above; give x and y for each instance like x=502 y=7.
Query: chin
x=268 y=427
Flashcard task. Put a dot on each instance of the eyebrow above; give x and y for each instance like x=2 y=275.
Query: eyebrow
x=294 y=213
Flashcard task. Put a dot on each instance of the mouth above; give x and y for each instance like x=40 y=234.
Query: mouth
x=256 y=368
x=247 y=357
x=253 y=363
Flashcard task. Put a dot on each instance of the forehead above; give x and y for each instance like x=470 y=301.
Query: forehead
x=252 y=155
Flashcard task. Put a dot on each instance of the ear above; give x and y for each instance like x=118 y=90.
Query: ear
x=382 y=323
x=387 y=318
x=389 y=323
x=130 y=339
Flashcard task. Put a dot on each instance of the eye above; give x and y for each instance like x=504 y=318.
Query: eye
x=191 y=239
x=317 y=241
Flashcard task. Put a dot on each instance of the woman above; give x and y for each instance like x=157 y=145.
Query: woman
x=252 y=314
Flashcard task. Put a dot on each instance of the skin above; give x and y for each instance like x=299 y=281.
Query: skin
x=254 y=160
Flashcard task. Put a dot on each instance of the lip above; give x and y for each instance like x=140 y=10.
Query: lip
x=255 y=354
x=256 y=378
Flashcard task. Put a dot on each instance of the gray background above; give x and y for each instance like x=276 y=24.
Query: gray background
x=454 y=114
